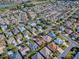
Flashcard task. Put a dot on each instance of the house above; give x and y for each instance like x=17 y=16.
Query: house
x=32 y=14
x=37 y=56
x=1 y=21
x=21 y=28
x=33 y=24
x=24 y=50
x=46 y=53
x=15 y=31
x=62 y=28
x=68 y=31
x=6 y=21
x=19 y=38
x=26 y=34
x=10 y=52
x=74 y=35
x=52 y=34
x=47 y=38
x=23 y=18
x=52 y=46
x=33 y=46
x=15 y=55
x=39 y=40
x=12 y=41
x=2 y=36
x=4 y=27
x=8 y=33
x=39 y=28
x=33 y=30
x=58 y=41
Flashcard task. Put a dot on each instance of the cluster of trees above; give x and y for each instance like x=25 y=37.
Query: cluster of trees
x=23 y=5
x=72 y=53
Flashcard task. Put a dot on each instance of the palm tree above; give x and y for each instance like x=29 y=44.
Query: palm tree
x=5 y=55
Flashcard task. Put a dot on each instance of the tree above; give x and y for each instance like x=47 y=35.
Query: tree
x=45 y=27
x=15 y=50
x=18 y=7
x=61 y=19
x=69 y=55
x=24 y=39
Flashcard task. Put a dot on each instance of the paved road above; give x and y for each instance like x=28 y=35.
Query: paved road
x=74 y=10
x=72 y=13
x=72 y=44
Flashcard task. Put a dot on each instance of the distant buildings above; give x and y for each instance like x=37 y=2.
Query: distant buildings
x=16 y=1
x=39 y=35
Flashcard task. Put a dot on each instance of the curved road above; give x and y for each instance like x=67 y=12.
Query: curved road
x=72 y=44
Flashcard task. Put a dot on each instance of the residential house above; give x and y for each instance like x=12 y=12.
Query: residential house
x=26 y=34
x=12 y=41
x=37 y=56
x=4 y=27
x=2 y=45
x=8 y=33
x=33 y=46
x=52 y=34
x=23 y=49
x=15 y=31
x=52 y=46
x=46 y=53
x=21 y=28
x=47 y=38
x=19 y=38
x=58 y=41
x=39 y=40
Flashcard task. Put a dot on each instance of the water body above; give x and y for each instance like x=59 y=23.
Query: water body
x=77 y=56
x=5 y=5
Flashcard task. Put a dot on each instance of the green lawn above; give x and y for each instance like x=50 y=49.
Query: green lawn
x=53 y=38
x=62 y=47
x=0 y=31
x=3 y=10
x=59 y=36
